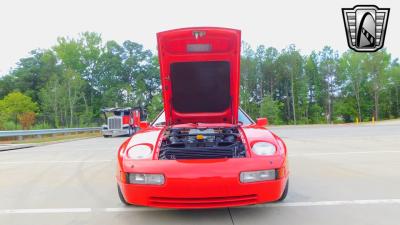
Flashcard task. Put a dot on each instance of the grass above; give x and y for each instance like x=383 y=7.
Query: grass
x=47 y=139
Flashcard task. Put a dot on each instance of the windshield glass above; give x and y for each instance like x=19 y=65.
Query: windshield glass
x=243 y=118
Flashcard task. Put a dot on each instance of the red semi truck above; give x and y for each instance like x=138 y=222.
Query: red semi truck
x=121 y=121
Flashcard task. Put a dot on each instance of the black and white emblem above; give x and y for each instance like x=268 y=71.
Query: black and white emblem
x=365 y=27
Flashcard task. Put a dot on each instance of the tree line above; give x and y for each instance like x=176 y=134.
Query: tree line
x=322 y=87
x=68 y=84
x=74 y=79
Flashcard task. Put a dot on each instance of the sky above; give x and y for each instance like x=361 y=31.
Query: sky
x=310 y=25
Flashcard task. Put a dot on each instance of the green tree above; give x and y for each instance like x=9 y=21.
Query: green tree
x=82 y=55
x=268 y=70
x=32 y=73
x=314 y=80
x=3 y=114
x=352 y=75
x=154 y=107
x=51 y=100
x=73 y=87
x=291 y=82
x=15 y=104
x=377 y=66
x=394 y=88
x=270 y=109
x=7 y=85
x=248 y=81
x=328 y=69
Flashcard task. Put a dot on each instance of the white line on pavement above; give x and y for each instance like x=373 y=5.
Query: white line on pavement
x=37 y=211
x=131 y=209
x=340 y=153
x=54 y=161
x=136 y=209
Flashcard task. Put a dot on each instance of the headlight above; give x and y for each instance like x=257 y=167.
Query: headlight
x=144 y=178
x=139 y=152
x=263 y=148
x=254 y=176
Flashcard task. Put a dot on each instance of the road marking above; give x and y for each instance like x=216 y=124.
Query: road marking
x=341 y=153
x=137 y=209
x=131 y=209
x=54 y=161
x=38 y=211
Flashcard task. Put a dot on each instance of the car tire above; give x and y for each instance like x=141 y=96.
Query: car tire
x=121 y=196
x=285 y=192
x=106 y=136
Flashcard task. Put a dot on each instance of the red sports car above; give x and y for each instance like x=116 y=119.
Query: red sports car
x=203 y=151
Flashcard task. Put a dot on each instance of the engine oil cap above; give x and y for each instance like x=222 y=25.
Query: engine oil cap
x=199 y=137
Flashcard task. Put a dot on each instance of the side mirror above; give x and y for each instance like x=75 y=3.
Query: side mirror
x=144 y=124
x=262 y=122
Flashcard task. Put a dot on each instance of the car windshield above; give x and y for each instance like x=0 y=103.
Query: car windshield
x=243 y=118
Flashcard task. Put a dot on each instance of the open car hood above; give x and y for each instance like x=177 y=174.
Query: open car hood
x=200 y=73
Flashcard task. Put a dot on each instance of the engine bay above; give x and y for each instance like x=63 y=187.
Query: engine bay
x=201 y=143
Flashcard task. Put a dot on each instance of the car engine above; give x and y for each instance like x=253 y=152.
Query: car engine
x=204 y=143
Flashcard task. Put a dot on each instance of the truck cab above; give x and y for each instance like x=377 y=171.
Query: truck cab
x=121 y=121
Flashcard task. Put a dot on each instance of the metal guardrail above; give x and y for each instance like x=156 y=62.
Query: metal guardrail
x=21 y=133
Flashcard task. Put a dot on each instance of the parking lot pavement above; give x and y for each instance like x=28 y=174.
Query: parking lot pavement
x=339 y=175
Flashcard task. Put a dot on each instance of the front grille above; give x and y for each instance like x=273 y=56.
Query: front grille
x=236 y=150
x=114 y=123
x=204 y=202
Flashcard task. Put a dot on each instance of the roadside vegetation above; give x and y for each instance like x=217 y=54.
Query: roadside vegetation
x=66 y=85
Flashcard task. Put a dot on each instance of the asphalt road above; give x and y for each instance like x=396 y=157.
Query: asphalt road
x=339 y=175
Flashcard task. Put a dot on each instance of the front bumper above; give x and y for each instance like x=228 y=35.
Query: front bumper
x=115 y=132
x=194 y=187
x=191 y=195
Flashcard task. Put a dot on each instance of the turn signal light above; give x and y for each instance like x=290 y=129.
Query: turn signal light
x=122 y=176
x=280 y=173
